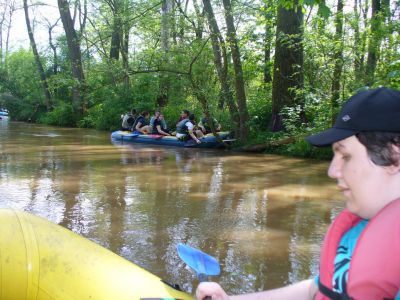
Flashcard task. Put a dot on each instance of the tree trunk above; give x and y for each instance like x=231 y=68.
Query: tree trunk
x=116 y=38
x=374 y=43
x=221 y=65
x=54 y=48
x=43 y=79
x=165 y=25
x=200 y=20
x=12 y=9
x=125 y=61
x=387 y=35
x=237 y=66
x=268 y=35
x=2 y=23
x=75 y=55
x=338 y=58
x=267 y=55
x=288 y=63
x=357 y=42
x=162 y=98
x=5 y=26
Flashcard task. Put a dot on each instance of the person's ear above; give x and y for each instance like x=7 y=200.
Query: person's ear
x=395 y=168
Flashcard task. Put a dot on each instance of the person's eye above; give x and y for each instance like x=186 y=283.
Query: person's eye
x=346 y=157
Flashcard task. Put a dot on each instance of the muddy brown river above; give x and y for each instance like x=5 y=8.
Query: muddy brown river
x=262 y=217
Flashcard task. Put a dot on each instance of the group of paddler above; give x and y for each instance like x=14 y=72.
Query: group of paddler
x=186 y=127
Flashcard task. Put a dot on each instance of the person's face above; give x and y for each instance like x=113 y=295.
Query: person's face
x=157 y=114
x=361 y=181
x=183 y=114
x=161 y=117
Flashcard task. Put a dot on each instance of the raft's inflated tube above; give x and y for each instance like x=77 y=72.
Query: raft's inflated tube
x=42 y=260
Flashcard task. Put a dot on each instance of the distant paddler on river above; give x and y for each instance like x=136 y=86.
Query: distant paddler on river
x=207 y=123
x=128 y=120
x=186 y=129
x=141 y=125
x=360 y=254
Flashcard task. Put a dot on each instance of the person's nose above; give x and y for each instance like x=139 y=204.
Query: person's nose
x=334 y=170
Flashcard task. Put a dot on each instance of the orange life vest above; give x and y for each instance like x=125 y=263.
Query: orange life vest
x=375 y=264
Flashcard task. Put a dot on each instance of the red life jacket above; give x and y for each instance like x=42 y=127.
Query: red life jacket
x=375 y=264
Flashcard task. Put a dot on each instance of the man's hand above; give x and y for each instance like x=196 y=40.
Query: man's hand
x=212 y=290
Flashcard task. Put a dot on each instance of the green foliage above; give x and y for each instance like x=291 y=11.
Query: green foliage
x=19 y=78
x=22 y=73
x=62 y=115
x=393 y=75
x=260 y=109
x=302 y=148
x=103 y=116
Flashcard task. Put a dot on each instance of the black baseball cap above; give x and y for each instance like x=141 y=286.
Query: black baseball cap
x=370 y=110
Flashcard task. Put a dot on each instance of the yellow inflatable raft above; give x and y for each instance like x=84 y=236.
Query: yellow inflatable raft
x=42 y=260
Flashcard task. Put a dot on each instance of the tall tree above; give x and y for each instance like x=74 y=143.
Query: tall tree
x=52 y=45
x=200 y=20
x=75 y=55
x=116 y=7
x=268 y=36
x=374 y=42
x=42 y=74
x=221 y=64
x=125 y=49
x=8 y=7
x=358 y=53
x=288 y=63
x=338 y=61
x=237 y=66
x=166 y=12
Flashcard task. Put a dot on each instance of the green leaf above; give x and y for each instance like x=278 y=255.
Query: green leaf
x=324 y=11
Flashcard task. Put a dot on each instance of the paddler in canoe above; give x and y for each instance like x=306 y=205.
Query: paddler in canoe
x=360 y=254
x=186 y=129
x=141 y=125
x=159 y=125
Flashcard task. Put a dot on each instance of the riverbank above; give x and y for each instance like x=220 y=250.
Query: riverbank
x=284 y=144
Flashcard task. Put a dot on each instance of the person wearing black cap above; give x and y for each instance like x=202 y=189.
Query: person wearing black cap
x=360 y=254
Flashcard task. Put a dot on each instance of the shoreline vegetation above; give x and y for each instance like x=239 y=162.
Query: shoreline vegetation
x=271 y=72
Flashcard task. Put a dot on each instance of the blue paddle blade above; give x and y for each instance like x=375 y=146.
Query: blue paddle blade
x=200 y=262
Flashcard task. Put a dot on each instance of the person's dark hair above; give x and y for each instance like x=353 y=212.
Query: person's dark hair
x=380 y=146
x=145 y=113
x=133 y=111
x=185 y=111
x=192 y=117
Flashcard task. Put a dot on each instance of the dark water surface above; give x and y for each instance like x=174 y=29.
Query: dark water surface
x=262 y=216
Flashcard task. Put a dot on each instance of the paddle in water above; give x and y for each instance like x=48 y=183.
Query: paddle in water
x=203 y=264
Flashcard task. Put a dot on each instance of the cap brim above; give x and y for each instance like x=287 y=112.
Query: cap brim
x=330 y=136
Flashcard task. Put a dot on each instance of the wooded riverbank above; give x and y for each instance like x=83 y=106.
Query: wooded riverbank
x=269 y=71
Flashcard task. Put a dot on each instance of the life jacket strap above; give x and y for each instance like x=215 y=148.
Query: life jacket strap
x=332 y=294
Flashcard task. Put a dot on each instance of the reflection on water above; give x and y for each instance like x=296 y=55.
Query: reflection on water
x=262 y=216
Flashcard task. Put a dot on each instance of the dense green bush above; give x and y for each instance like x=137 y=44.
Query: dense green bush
x=62 y=115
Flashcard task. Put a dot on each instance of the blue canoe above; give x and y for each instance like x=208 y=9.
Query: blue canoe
x=208 y=141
